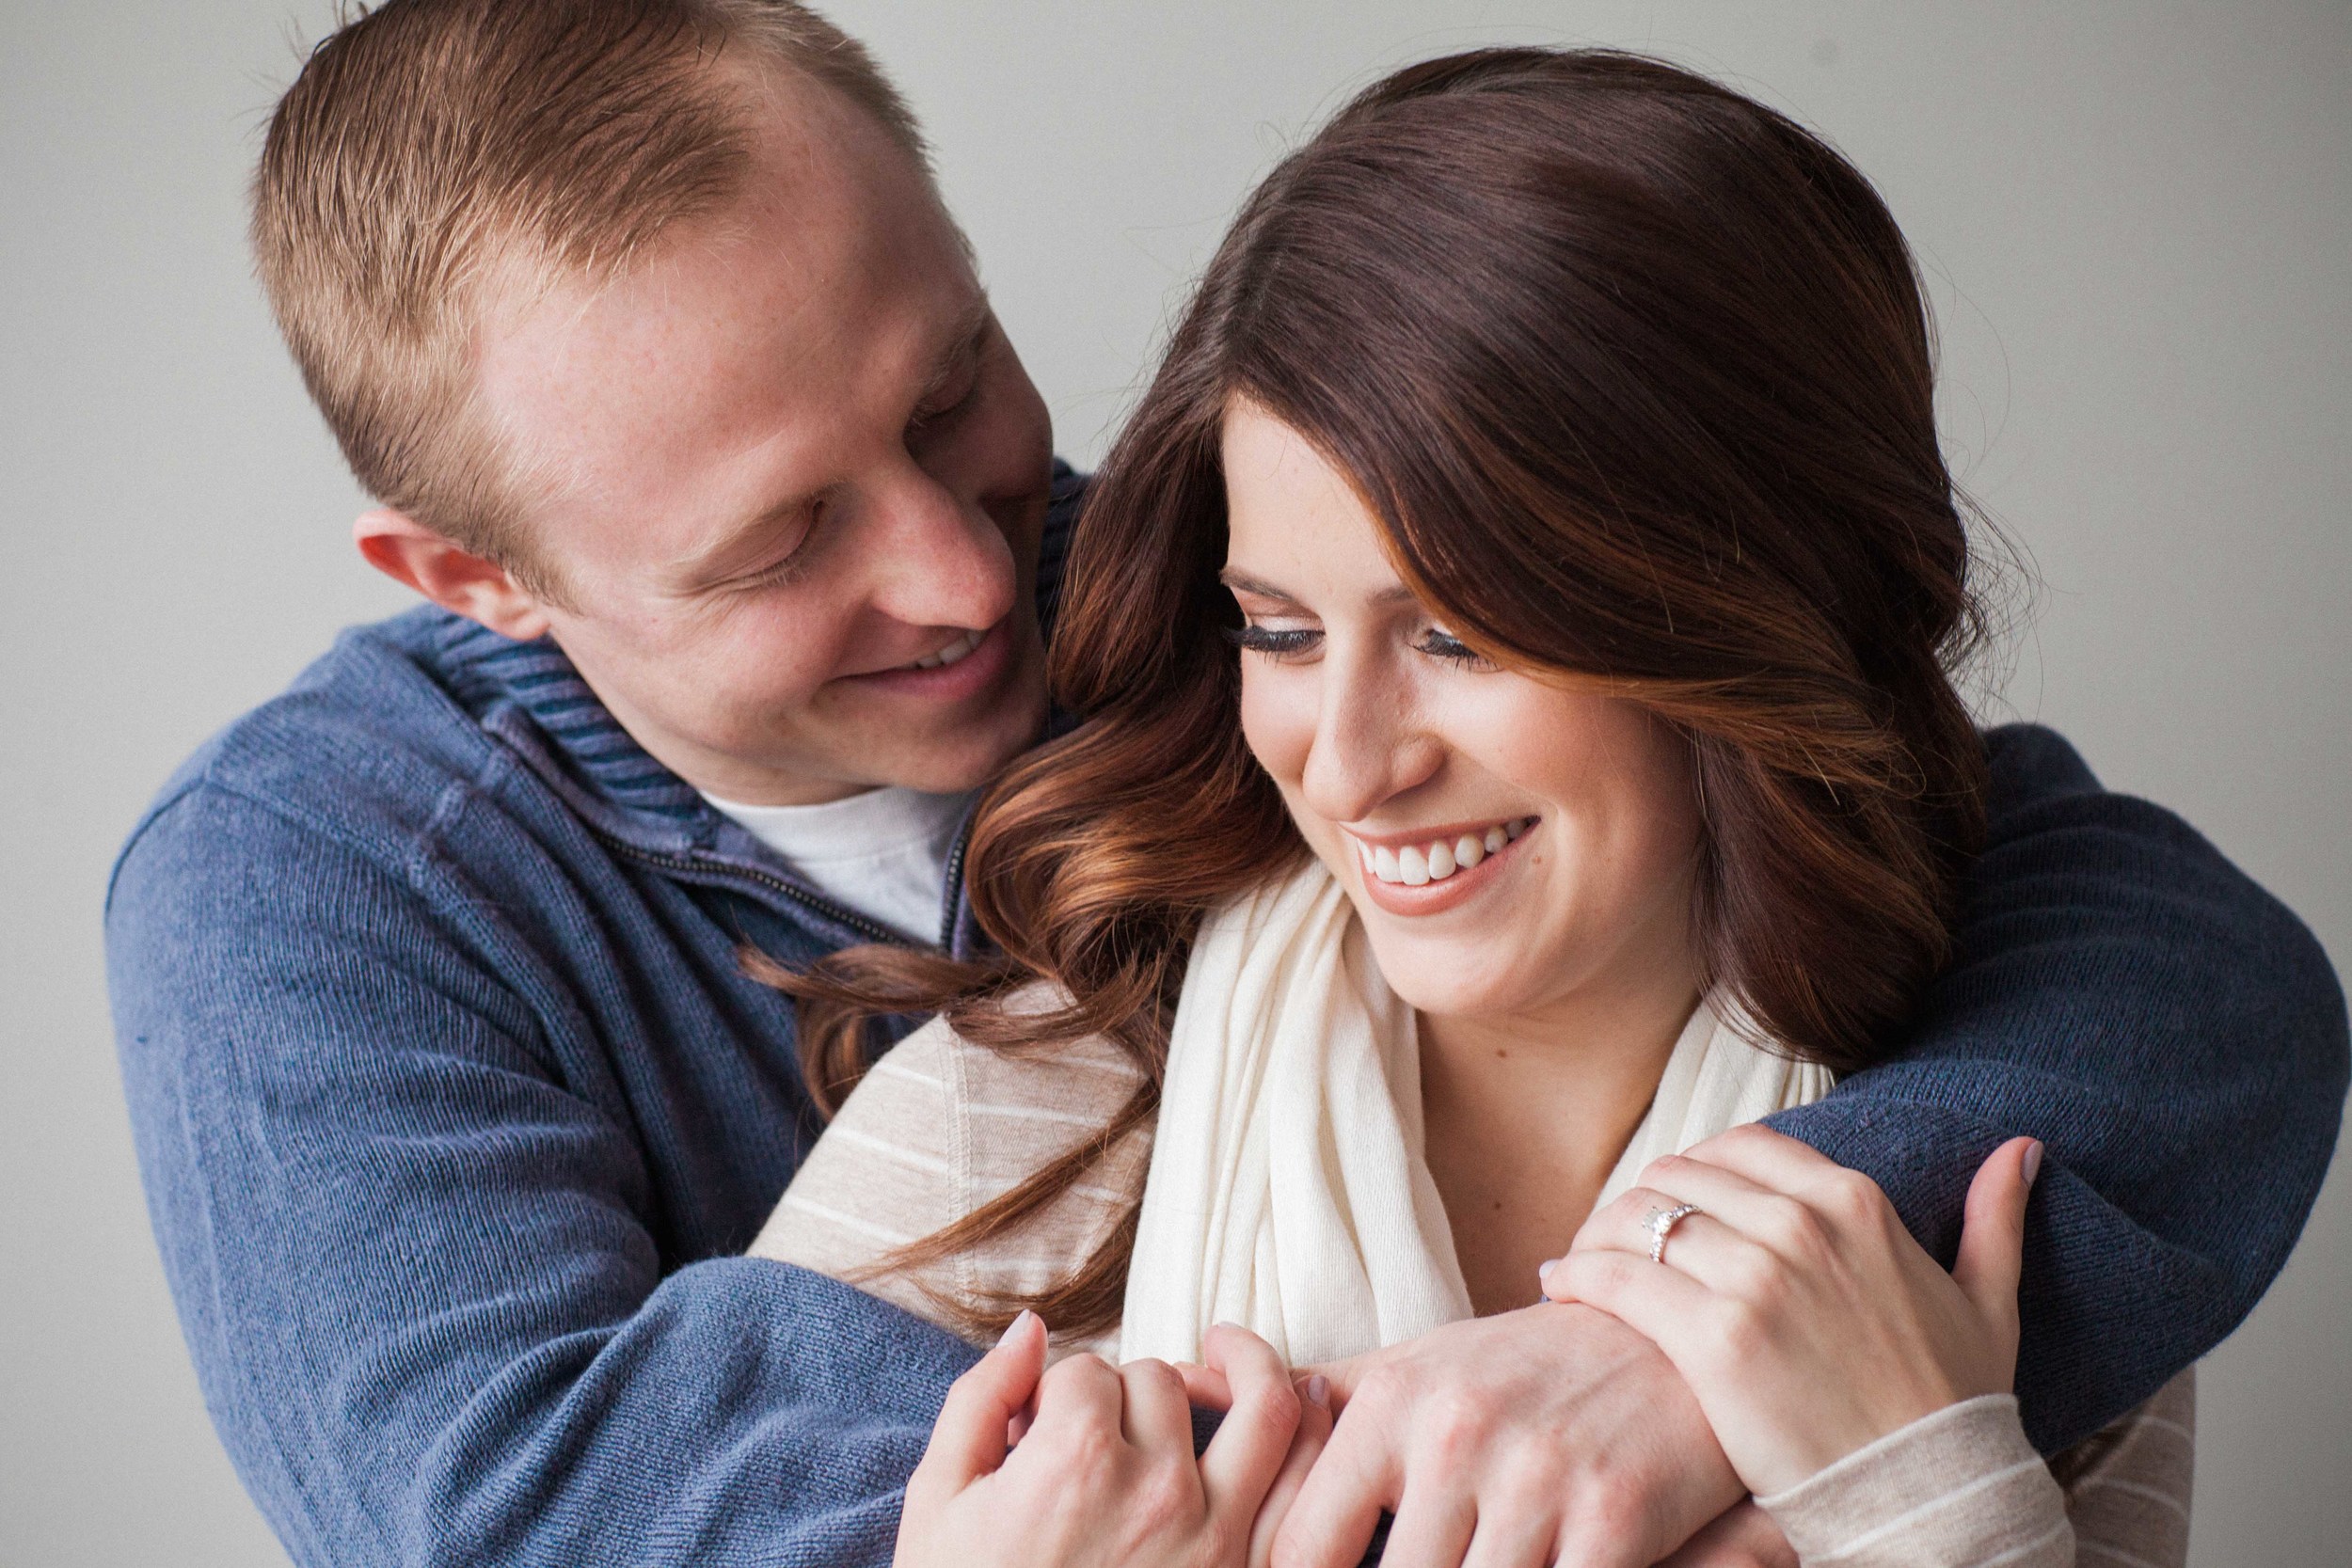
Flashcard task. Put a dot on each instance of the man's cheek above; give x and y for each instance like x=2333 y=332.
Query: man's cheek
x=755 y=681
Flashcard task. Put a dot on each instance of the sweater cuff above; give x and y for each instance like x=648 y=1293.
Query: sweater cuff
x=1960 y=1486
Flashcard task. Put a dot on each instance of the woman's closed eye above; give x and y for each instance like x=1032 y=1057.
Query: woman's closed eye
x=1274 y=641
x=1440 y=643
x=1277 y=642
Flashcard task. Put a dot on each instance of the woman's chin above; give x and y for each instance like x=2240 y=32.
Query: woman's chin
x=1440 y=980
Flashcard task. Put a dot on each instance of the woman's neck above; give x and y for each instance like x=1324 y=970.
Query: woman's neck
x=1526 y=1116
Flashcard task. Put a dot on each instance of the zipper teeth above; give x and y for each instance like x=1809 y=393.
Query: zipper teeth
x=955 y=883
x=817 y=901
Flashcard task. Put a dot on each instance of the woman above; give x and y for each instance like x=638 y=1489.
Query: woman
x=1555 y=436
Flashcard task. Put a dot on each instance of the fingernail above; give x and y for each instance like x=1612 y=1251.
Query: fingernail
x=2033 y=1161
x=1018 y=1326
x=1319 y=1391
x=1543 y=1270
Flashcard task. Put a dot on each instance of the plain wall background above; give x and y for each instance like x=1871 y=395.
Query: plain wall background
x=2138 y=220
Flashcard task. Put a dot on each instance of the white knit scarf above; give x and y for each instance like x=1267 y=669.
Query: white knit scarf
x=1287 y=1191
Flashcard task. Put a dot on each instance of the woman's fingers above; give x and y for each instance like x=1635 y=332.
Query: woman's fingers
x=1306 y=1443
x=1767 y=1158
x=1516 y=1537
x=1992 y=1237
x=972 y=1434
x=1155 y=1417
x=1204 y=1385
x=1670 y=1310
x=1730 y=1198
x=1433 y=1528
x=1249 y=1447
x=1797 y=1203
x=1330 y=1523
x=1699 y=1246
x=1078 y=1396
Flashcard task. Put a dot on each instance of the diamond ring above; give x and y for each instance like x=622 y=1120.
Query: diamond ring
x=1661 y=1222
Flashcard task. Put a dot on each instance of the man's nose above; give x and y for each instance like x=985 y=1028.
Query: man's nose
x=938 y=561
x=1368 y=743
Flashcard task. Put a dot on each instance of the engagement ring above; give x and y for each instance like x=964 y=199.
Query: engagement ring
x=1660 y=1223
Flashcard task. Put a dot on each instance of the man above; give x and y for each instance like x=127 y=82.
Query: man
x=643 y=321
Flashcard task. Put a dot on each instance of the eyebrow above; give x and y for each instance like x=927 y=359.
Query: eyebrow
x=963 y=338
x=1242 y=583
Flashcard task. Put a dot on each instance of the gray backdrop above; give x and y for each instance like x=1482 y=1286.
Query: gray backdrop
x=2138 y=224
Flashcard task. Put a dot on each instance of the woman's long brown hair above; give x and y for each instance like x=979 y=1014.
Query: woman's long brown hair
x=1636 y=375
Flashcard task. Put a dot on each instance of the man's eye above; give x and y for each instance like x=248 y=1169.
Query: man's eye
x=787 y=570
x=939 y=413
x=787 y=565
x=1439 y=644
x=1279 y=642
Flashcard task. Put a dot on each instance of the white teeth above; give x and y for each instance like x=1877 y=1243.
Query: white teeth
x=954 y=653
x=1418 y=865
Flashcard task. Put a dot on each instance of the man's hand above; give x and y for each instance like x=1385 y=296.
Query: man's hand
x=1552 y=1433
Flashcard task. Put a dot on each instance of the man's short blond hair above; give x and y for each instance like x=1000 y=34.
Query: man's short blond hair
x=430 y=149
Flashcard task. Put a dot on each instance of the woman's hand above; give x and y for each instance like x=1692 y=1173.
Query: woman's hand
x=1103 y=1473
x=1547 y=1435
x=1803 y=1315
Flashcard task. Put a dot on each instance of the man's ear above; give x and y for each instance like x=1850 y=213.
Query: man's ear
x=456 y=579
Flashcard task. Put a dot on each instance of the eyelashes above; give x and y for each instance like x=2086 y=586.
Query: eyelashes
x=1440 y=645
x=1268 y=640
x=1290 y=643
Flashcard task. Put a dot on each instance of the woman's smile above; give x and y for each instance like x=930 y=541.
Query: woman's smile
x=1428 y=871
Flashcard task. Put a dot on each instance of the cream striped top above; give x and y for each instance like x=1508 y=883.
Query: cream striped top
x=941 y=1126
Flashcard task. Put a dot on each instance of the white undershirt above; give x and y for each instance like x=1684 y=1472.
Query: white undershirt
x=882 y=853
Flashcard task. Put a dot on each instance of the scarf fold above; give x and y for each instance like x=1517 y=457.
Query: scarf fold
x=1287 y=1190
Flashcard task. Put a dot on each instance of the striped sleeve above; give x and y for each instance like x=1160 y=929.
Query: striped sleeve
x=2128 y=1486
x=936 y=1128
x=1962 y=1488
x=1959 y=1488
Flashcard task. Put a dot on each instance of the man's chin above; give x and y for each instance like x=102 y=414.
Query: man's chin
x=963 y=761
x=935 y=733
x=964 y=755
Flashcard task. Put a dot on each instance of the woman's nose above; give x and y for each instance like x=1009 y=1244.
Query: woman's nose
x=1368 y=746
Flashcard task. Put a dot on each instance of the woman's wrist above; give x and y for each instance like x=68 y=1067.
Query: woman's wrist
x=1958 y=1485
x=1836 y=1431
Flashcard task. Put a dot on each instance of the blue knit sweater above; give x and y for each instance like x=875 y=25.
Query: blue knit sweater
x=454 y=1109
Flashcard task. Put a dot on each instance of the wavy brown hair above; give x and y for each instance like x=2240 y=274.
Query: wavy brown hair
x=1636 y=376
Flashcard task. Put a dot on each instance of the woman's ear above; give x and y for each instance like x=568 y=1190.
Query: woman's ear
x=456 y=579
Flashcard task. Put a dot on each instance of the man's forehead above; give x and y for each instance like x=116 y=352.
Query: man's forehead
x=820 y=292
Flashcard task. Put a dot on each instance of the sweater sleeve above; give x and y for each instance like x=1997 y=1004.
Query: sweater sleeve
x=939 y=1127
x=2173 y=1034
x=1956 y=1489
x=417 y=1270
x=1963 y=1487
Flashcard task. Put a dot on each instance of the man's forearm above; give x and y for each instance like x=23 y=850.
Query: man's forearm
x=2173 y=1034
x=425 y=1278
